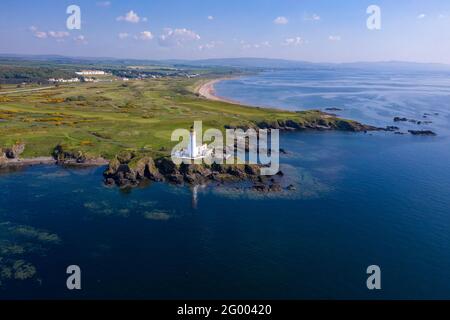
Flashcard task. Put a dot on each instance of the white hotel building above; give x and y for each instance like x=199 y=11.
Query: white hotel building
x=91 y=73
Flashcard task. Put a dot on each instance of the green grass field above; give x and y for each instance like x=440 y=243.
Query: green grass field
x=102 y=119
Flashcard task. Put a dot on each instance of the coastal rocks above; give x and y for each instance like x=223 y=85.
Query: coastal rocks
x=392 y=128
x=353 y=126
x=66 y=156
x=333 y=109
x=193 y=173
x=320 y=121
x=144 y=167
x=3 y=158
x=128 y=170
x=14 y=152
x=291 y=187
x=422 y=132
x=403 y=119
x=399 y=119
x=11 y=155
x=166 y=166
x=125 y=172
x=307 y=120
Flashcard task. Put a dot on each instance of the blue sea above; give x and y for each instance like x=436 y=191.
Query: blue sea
x=361 y=199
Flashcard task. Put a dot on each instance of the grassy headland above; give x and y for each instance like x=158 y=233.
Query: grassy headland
x=102 y=119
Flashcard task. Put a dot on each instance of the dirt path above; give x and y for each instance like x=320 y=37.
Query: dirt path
x=26 y=90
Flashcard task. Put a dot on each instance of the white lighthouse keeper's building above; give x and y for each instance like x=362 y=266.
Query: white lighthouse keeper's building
x=193 y=151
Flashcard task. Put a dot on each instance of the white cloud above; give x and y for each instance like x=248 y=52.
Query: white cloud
x=80 y=39
x=210 y=18
x=38 y=34
x=442 y=16
x=313 y=17
x=246 y=45
x=130 y=16
x=104 y=4
x=296 y=41
x=281 y=20
x=58 y=34
x=123 y=35
x=177 y=37
x=421 y=16
x=145 y=35
x=334 y=38
x=210 y=45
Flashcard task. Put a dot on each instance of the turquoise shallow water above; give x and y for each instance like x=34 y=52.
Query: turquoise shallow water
x=361 y=199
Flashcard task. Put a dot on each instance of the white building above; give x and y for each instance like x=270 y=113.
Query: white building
x=64 y=80
x=193 y=151
x=91 y=73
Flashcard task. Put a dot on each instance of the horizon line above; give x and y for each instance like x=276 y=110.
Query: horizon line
x=49 y=55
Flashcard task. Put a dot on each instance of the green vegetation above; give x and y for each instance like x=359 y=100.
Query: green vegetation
x=19 y=74
x=102 y=119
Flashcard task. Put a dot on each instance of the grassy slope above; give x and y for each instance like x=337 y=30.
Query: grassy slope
x=111 y=117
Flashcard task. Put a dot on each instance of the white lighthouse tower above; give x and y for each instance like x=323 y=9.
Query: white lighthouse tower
x=193 y=152
x=192 y=148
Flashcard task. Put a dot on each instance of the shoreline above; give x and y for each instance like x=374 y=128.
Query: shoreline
x=51 y=161
x=207 y=91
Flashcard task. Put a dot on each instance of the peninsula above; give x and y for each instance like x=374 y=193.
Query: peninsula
x=96 y=123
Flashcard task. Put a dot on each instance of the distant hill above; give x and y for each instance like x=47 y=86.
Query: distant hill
x=244 y=63
x=247 y=63
x=291 y=64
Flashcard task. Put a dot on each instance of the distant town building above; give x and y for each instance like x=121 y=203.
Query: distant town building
x=90 y=73
x=64 y=80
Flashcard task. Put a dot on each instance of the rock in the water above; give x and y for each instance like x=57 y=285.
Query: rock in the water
x=261 y=187
x=275 y=188
x=175 y=178
x=422 y=132
x=392 y=128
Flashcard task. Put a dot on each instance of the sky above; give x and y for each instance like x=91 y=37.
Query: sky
x=309 y=30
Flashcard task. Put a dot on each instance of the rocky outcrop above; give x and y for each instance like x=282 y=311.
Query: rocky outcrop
x=126 y=172
x=3 y=158
x=13 y=152
x=392 y=128
x=422 y=132
x=66 y=156
x=403 y=119
x=324 y=122
x=130 y=170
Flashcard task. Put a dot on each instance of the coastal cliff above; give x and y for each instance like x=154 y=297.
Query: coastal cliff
x=129 y=170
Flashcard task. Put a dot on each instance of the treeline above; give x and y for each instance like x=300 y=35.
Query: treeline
x=18 y=74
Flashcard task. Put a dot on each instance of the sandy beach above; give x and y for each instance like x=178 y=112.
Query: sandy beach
x=208 y=91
